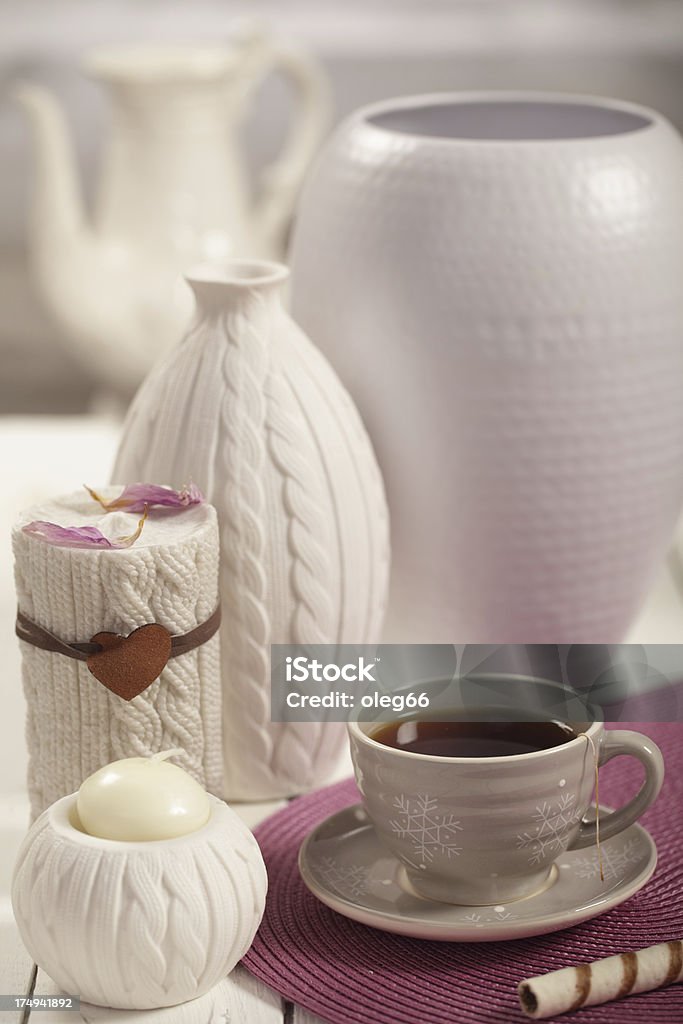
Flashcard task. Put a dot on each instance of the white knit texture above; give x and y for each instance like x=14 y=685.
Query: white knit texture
x=74 y=724
x=138 y=925
x=275 y=442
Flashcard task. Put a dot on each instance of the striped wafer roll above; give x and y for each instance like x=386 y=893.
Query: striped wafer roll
x=602 y=981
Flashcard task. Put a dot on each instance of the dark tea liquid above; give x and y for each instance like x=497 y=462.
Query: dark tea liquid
x=442 y=738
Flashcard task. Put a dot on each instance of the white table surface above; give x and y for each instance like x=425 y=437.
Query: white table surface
x=41 y=456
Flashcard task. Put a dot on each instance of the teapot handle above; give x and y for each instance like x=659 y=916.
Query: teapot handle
x=281 y=180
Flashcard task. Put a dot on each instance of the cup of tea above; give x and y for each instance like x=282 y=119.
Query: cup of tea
x=478 y=803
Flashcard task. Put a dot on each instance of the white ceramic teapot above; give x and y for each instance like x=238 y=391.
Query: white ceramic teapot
x=172 y=192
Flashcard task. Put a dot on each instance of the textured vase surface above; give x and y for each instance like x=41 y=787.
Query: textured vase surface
x=138 y=925
x=497 y=280
x=248 y=410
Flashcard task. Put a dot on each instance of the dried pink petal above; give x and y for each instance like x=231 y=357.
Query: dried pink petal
x=69 y=536
x=80 y=536
x=137 y=497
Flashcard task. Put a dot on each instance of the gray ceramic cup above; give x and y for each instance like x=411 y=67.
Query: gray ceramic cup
x=486 y=830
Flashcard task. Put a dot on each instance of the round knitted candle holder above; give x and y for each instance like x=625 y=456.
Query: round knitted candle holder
x=168 y=577
x=138 y=925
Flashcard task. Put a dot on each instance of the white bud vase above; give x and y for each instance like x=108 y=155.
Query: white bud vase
x=138 y=925
x=248 y=410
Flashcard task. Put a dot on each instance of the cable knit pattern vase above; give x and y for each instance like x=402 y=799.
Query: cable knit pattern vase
x=169 y=576
x=498 y=280
x=248 y=409
x=138 y=925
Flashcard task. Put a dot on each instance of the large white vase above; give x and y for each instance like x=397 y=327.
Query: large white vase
x=498 y=280
x=248 y=410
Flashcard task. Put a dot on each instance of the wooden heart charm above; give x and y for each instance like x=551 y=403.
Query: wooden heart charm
x=127 y=665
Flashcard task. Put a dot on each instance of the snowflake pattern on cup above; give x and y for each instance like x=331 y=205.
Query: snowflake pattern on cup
x=555 y=821
x=430 y=831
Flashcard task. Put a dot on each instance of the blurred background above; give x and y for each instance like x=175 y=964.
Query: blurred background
x=370 y=49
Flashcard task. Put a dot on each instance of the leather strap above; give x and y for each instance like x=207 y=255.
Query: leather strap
x=31 y=633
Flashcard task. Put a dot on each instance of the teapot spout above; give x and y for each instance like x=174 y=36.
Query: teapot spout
x=57 y=222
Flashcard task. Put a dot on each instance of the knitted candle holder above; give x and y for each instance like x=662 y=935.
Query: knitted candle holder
x=169 y=577
x=138 y=924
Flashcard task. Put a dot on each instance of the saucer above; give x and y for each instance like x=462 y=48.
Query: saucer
x=345 y=865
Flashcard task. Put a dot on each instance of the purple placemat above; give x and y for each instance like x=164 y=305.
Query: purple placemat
x=348 y=973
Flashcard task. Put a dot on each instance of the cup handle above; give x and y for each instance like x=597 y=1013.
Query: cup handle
x=617 y=742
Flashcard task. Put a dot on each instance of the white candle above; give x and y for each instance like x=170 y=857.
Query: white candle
x=141 y=799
